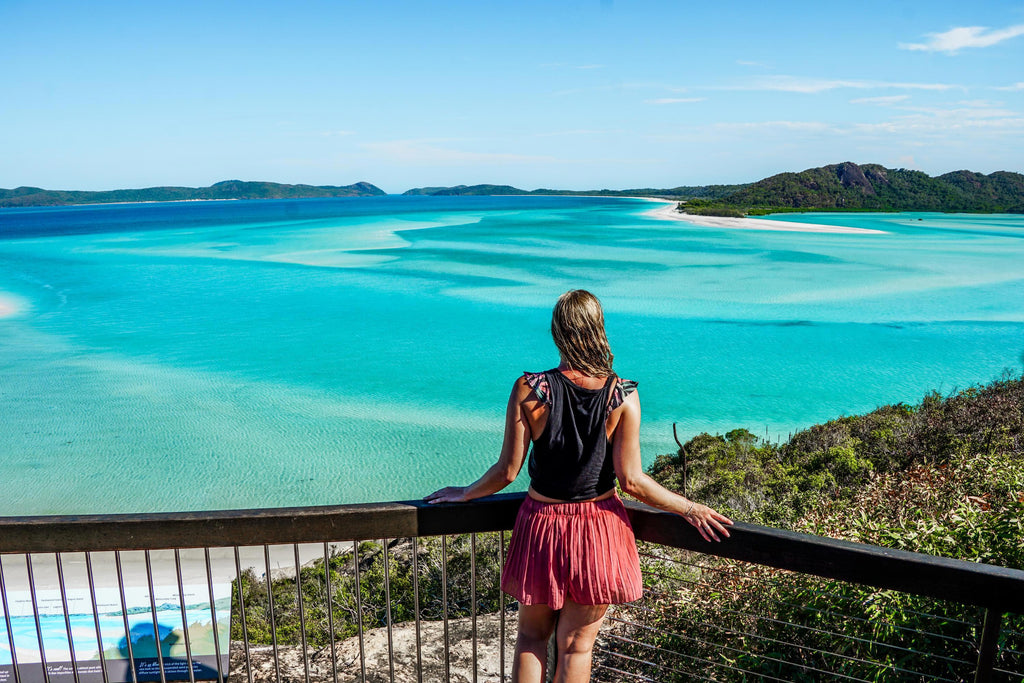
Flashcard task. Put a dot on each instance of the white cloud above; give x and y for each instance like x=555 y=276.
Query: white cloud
x=962 y=37
x=566 y=65
x=883 y=101
x=756 y=131
x=971 y=119
x=1015 y=86
x=810 y=126
x=577 y=131
x=425 y=153
x=922 y=129
x=801 y=85
x=984 y=104
x=938 y=123
x=966 y=110
x=816 y=85
x=623 y=87
x=675 y=100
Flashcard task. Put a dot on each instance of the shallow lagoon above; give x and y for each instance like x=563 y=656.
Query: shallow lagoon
x=248 y=354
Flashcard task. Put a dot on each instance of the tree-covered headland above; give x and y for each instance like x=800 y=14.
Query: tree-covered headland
x=869 y=187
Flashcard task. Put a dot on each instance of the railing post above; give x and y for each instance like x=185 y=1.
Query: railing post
x=987 y=648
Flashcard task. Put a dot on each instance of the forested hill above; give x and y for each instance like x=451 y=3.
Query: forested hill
x=871 y=187
x=682 y=192
x=228 y=189
x=465 y=190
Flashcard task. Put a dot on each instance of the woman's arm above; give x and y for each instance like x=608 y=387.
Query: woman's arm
x=513 y=453
x=640 y=485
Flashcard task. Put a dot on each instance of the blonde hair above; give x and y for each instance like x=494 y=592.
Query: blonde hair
x=577 y=326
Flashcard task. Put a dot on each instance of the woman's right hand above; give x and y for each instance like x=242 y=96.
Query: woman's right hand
x=708 y=522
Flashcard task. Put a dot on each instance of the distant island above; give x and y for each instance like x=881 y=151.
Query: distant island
x=870 y=187
x=682 y=192
x=228 y=189
x=837 y=187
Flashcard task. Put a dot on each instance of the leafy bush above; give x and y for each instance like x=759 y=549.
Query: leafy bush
x=453 y=592
x=944 y=477
x=778 y=484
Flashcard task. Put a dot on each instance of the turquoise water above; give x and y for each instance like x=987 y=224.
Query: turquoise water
x=249 y=354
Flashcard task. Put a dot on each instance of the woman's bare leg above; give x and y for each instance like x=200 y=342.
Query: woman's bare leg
x=577 y=630
x=536 y=622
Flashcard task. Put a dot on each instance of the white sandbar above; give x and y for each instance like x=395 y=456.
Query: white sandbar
x=668 y=212
x=8 y=307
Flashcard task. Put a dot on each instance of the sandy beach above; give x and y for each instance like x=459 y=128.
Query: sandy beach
x=668 y=212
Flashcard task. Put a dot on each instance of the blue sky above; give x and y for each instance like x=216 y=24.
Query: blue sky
x=578 y=95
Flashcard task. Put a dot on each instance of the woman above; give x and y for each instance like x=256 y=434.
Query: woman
x=572 y=551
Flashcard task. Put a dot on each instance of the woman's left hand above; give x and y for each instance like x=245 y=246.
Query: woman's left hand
x=449 y=494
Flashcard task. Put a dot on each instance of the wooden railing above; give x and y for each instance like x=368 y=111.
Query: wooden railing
x=996 y=591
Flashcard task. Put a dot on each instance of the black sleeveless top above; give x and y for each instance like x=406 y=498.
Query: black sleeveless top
x=571 y=459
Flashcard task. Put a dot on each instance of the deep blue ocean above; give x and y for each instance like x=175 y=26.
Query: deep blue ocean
x=237 y=354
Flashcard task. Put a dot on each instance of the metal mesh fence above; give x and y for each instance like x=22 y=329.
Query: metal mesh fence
x=708 y=618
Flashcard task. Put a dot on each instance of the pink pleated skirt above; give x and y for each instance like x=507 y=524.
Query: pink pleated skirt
x=584 y=552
